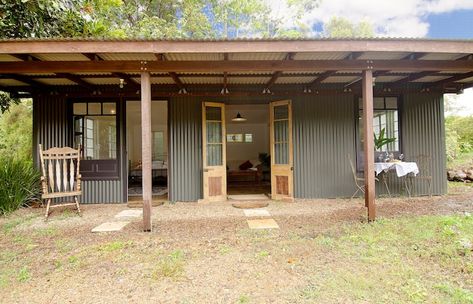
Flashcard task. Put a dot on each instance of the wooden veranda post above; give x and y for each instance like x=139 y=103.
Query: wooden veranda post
x=368 y=143
x=146 y=148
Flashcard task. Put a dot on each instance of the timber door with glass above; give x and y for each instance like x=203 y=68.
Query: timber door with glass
x=281 y=150
x=214 y=151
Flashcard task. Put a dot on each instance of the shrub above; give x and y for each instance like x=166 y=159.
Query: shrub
x=19 y=184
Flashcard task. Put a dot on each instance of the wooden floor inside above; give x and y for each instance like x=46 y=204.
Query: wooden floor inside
x=236 y=188
x=137 y=201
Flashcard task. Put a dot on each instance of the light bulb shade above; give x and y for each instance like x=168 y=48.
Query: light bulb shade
x=238 y=117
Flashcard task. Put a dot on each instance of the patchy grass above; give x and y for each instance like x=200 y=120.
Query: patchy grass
x=114 y=246
x=455 y=188
x=18 y=221
x=463 y=161
x=171 y=266
x=24 y=274
x=401 y=259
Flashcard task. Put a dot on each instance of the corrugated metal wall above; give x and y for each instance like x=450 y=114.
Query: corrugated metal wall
x=324 y=133
x=51 y=129
x=185 y=149
x=423 y=132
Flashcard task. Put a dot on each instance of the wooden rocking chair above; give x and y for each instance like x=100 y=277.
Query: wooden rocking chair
x=60 y=176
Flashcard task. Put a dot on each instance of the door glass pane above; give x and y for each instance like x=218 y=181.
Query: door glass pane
x=109 y=108
x=214 y=136
x=95 y=108
x=80 y=108
x=213 y=113
x=281 y=142
x=100 y=138
x=281 y=112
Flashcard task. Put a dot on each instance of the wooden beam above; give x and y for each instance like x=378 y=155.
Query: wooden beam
x=146 y=155
x=92 y=56
x=27 y=80
x=466 y=57
x=76 y=79
x=322 y=77
x=234 y=66
x=274 y=77
x=453 y=79
x=354 y=55
x=128 y=79
x=367 y=87
x=235 y=46
x=411 y=78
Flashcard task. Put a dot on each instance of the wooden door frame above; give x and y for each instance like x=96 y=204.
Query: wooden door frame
x=290 y=197
x=205 y=167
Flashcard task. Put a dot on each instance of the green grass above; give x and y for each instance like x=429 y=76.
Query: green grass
x=396 y=260
x=24 y=274
x=463 y=161
x=114 y=246
x=171 y=266
x=17 y=221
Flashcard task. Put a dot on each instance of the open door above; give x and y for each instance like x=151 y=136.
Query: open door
x=280 y=116
x=214 y=151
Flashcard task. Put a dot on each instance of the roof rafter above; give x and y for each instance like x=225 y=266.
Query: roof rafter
x=174 y=76
x=453 y=79
x=412 y=77
x=276 y=74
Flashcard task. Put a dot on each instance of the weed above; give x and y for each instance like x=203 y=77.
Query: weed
x=114 y=246
x=172 y=266
x=243 y=299
x=24 y=274
x=262 y=254
x=224 y=249
x=310 y=292
x=73 y=260
x=457 y=294
x=50 y=231
x=64 y=245
x=57 y=264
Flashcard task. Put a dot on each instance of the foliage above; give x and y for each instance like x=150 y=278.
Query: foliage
x=339 y=27
x=459 y=139
x=381 y=140
x=16 y=131
x=19 y=184
x=39 y=18
x=6 y=100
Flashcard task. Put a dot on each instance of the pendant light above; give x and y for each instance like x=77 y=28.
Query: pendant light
x=238 y=117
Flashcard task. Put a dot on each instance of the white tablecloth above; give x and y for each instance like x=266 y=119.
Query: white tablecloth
x=402 y=168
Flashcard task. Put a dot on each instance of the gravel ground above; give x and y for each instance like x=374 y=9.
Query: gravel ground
x=213 y=257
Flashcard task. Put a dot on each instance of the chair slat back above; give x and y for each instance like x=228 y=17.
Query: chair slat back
x=353 y=170
x=60 y=168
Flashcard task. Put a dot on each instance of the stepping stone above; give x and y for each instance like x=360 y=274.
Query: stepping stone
x=256 y=212
x=110 y=226
x=263 y=224
x=129 y=213
x=250 y=205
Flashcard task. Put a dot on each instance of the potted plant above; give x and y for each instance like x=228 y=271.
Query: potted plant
x=380 y=141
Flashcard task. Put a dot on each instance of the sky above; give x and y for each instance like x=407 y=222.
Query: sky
x=447 y=19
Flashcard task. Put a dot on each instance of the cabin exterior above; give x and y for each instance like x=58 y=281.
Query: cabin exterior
x=150 y=111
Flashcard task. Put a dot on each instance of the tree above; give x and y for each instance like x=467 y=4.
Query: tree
x=16 y=131
x=339 y=27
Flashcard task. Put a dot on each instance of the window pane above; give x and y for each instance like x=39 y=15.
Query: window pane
x=281 y=153
x=391 y=102
x=248 y=138
x=214 y=154
x=213 y=113
x=80 y=108
x=100 y=138
x=214 y=132
x=281 y=112
x=281 y=131
x=94 y=108
x=378 y=103
x=109 y=108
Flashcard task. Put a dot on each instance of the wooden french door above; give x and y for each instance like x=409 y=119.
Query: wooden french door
x=280 y=116
x=214 y=151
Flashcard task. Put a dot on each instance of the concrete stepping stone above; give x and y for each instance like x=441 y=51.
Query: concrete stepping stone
x=110 y=226
x=256 y=212
x=130 y=213
x=263 y=224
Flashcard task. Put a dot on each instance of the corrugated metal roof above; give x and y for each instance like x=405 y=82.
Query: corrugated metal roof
x=388 y=78
x=321 y=56
x=295 y=80
x=159 y=80
x=441 y=56
x=194 y=56
x=383 y=55
x=6 y=57
x=55 y=81
x=128 y=56
x=431 y=78
x=201 y=80
x=466 y=80
x=340 y=79
x=11 y=82
x=257 y=56
x=248 y=80
x=103 y=81
x=61 y=57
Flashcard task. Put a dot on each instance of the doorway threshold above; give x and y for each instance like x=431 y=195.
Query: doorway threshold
x=248 y=197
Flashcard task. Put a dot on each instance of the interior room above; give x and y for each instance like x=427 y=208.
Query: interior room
x=248 y=163
x=159 y=135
